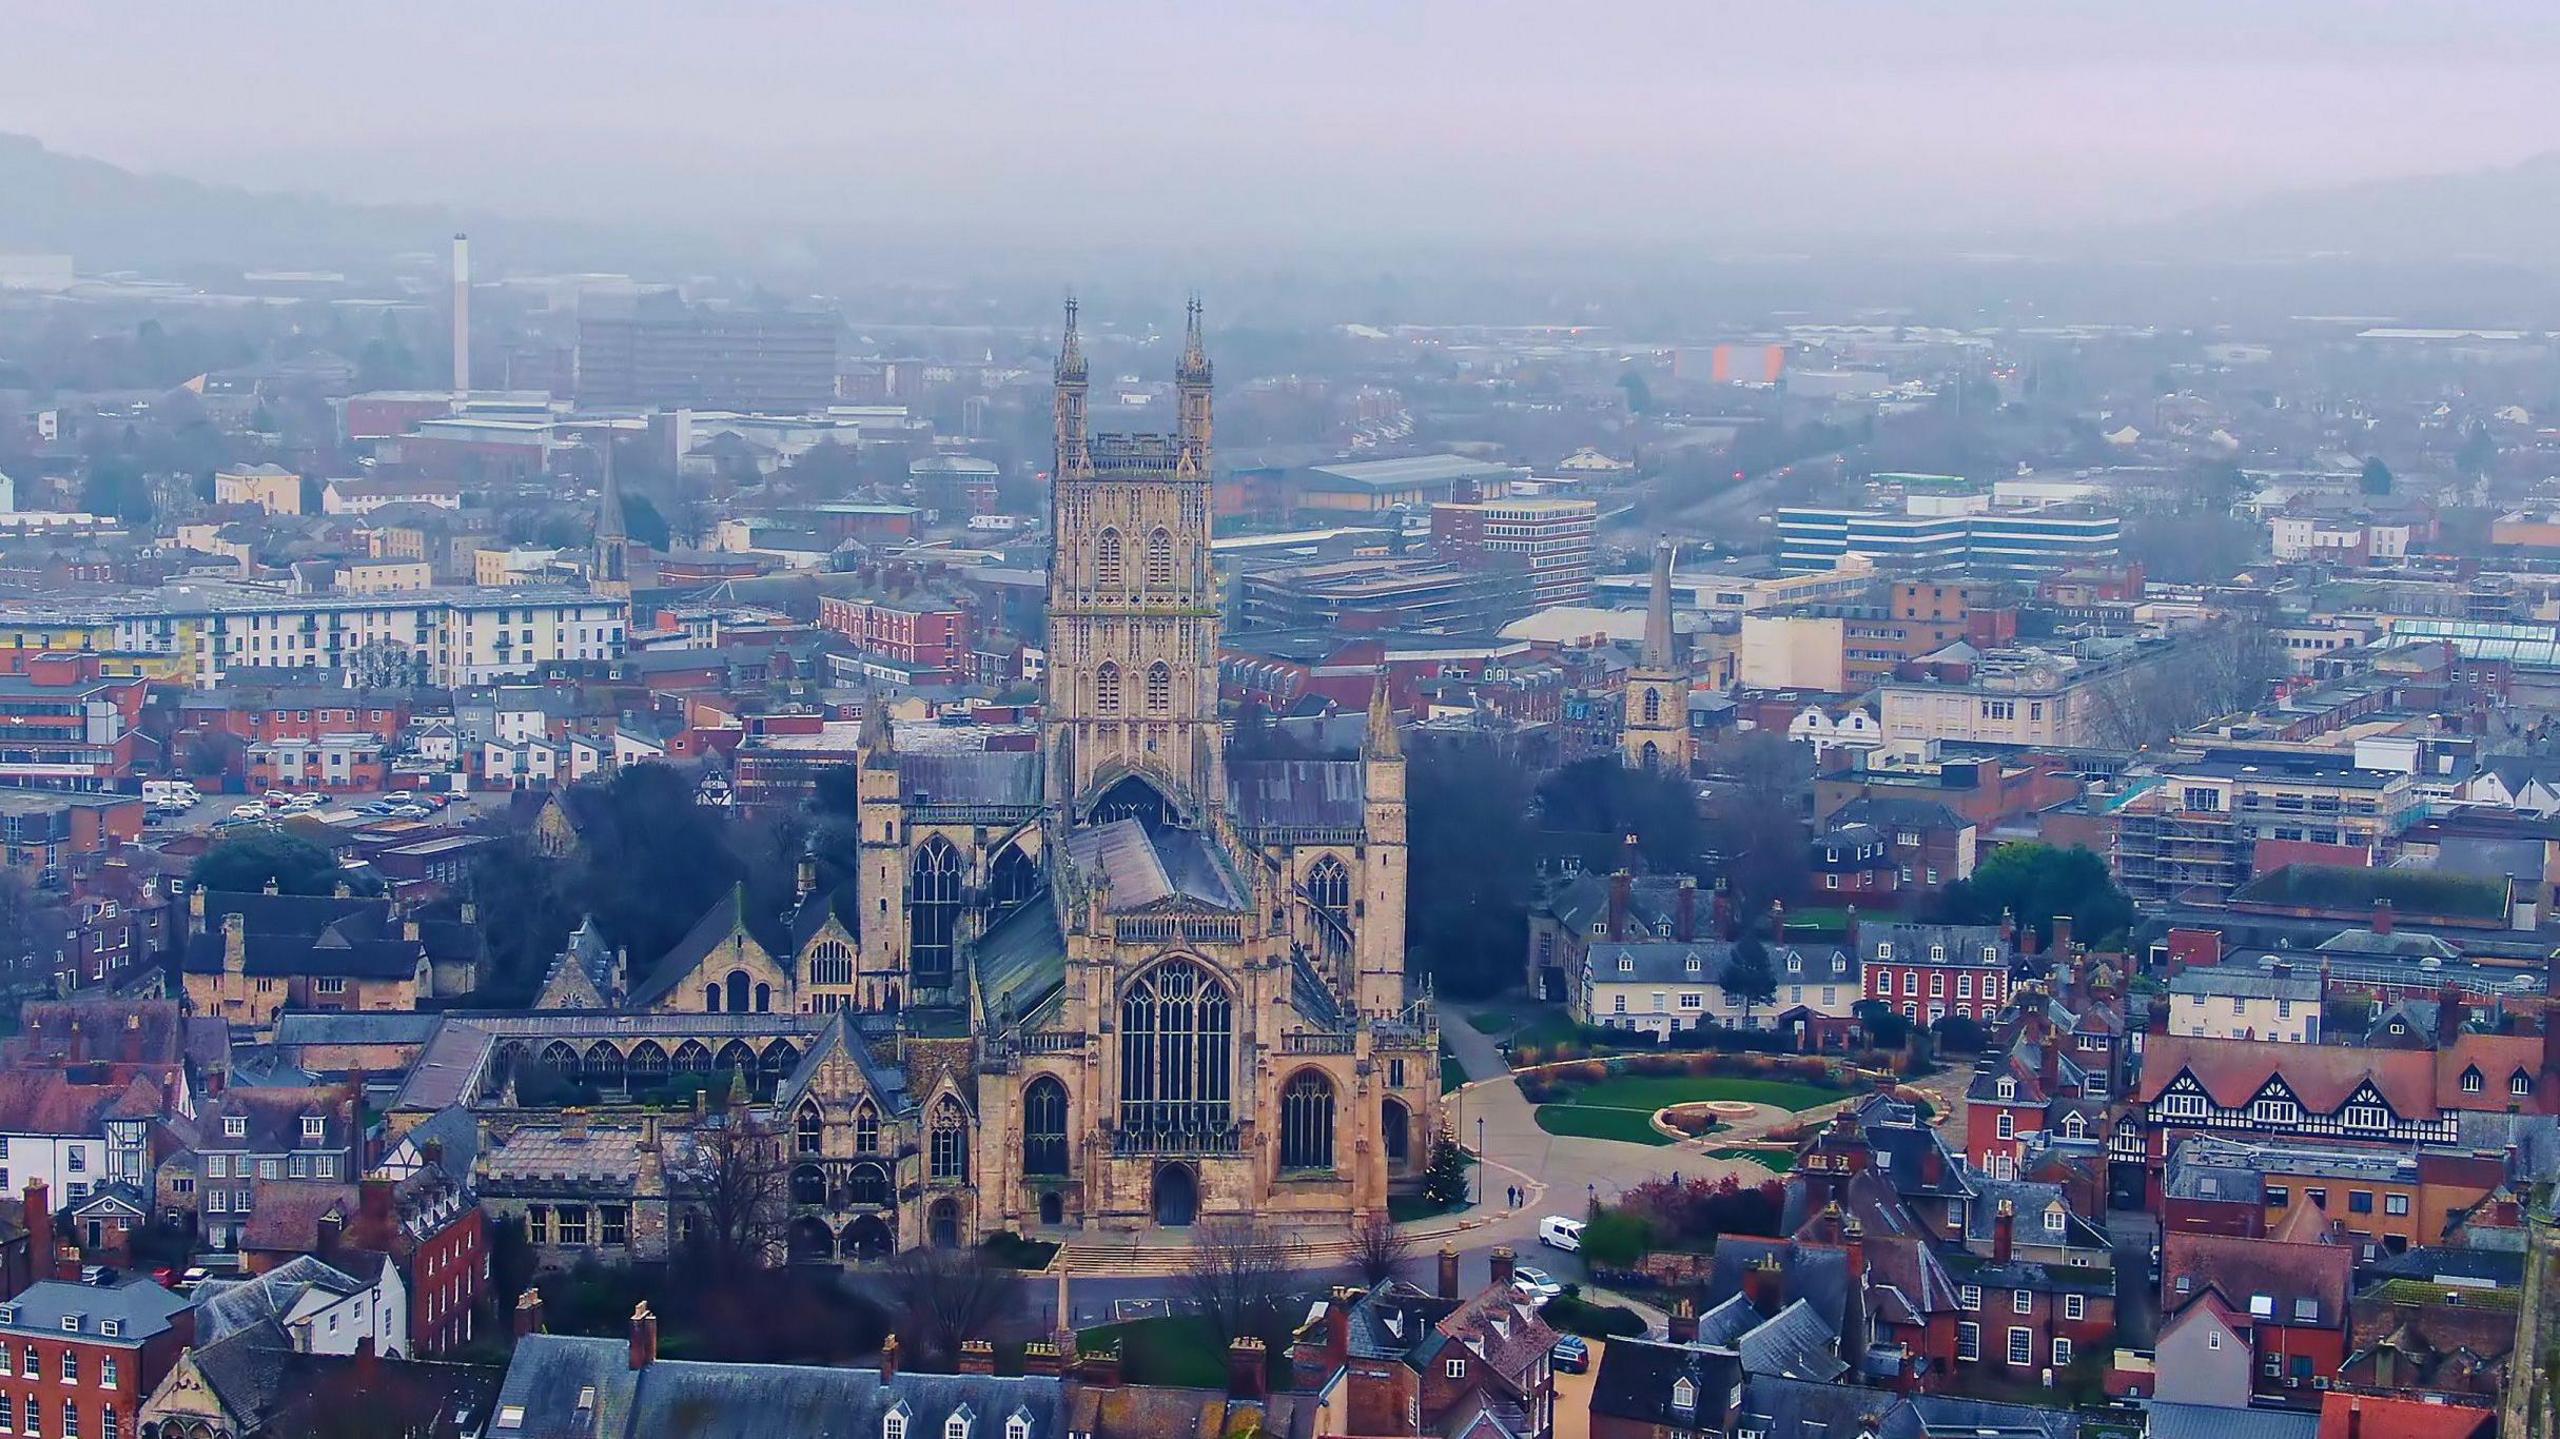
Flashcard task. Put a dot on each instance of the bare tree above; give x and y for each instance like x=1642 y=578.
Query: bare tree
x=943 y=1298
x=1380 y=1249
x=1239 y=1279
x=737 y=1176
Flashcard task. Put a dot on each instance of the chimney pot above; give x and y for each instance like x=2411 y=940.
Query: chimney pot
x=2004 y=1233
x=977 y=1356
x=529 y=1313
x=888 y=1358
x=1448 y=1272
x=644 y=1337
x=1247 y=1368
x=1504 y=1260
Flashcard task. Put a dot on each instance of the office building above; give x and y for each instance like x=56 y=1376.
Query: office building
x=1549 y=540
x=662 y=351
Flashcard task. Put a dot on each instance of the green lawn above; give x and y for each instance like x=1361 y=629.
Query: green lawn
x=1488 y=1021
x=1777 y=1160
x=1404 y=1208
x=1650 y=1092
x=1181 y=1350
x=1630 y=1126
x=1549 y=1028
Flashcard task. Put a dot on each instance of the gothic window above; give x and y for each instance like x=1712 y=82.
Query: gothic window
x=1159 y=688
x=1177 y=1031
x=831 y=962
x=711 y=998
x=736 y=1057
x=866 y=1129
x=933 y=911
x=1106 y=690
x=1652 y=756
x=1011 y=880
x=808 y=1185
x=693 y=1057
x=1329 y=896
x=648 y=1063
x=1160 y=560
x=1653 y=707
x=1044 y=1127
x=950 y=1140
x=1131 y=797
x=1396 y=1124
x=870 y=1185
x=741 y=991
x=1106 y=560
x=807 y=1130
x=1306 y=1122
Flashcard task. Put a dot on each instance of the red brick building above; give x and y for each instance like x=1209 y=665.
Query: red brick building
x=81 y=1358
x=1927 y=972
x=2291 y=1286
x=927 y=632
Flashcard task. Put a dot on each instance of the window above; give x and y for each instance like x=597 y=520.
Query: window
x=1106 y=560
x=1159 y=689
x=2213 y=1339
x=2306 y=1311
x=537 y=1225
x=933 y=908
x=314 y=1127
x=71 y=1357
x=1306 y=1122
x=1968 y=1340
x=1018 y=1427
x=1455 y=1369
x=1177 y=1033
x=1964 y=986
x=808 y=1130
x=614 y=1225
x=2367 y=1116
x=866 y=1129
x=2359 y=1201
x=1044 y=1127
x=1160 y=560
x=1970 y=1296
x=70 y=1419
x=893 y=1425
x=217 y=1166
x=8 y=1413
x=2006 y=1125
x=2022 y=1346
x=331 y=984
x=2061 y=1353
x=235 y=1126
x=2519 y=1084
x=950 y=1140
x=2316 y=1197
x=1691 y=999
x=1684 y=1394
x=2396 y=1205
x=107 y=1422
x=2022 y=1301
x=573 y=1224
x=2075 y=1306
x=1106 y=690
x=2278 y=1196
x=957 y=1426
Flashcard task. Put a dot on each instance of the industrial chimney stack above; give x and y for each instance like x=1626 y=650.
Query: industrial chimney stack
x=461 y=315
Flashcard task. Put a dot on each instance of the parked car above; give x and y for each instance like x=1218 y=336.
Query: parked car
x=1534 y=1285
x=248 y=811
x=1557 y=1232
x=1571 y=1355
x=408 y=811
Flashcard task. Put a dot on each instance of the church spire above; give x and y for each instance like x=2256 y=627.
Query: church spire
x=1191 y=382
x=1657 y=610
x=877 y=744
x=608 y=567
x=1382 y=741
x=1068 y=407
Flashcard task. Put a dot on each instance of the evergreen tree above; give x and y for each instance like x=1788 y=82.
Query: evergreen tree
x=1445 y=1182
x=1750 y=979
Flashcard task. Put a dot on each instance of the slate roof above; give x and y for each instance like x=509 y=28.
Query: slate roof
x=331 y=952
x=1636 y=1379
x=1796 y=1407
x=982 y=779
x=686 y=1399
x=1965 y=944
x=229 y=1306
x=1021 y=960
x=1298 y=794
x=724 y=918
x=140 y=1308
x=296 y=913
x=1794 y=1343
x=2212 y=1421
x=1150 y=865
x=887 y=1082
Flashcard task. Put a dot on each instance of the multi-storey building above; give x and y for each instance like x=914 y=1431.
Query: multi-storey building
x=665 y=352
x=2219 y=1003
x=1927 y=972
x=1384 y=593
x=1551 y=540
x=78 y=1359
x=2198 y=826
x=272 y=488
x=254 y=1136
x=928 y=633
x=2024 y=543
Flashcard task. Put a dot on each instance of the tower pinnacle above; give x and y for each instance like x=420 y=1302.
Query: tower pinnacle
x=1657 y=609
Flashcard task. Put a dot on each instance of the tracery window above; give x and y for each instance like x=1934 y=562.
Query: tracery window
x=1177 y=1036
x=866 y=1129
x=1159 y=688
x=1329 y=896
x=1306 y=1122
x=1160 y=560
x=950 y=1140
x=933 y=910
x=1106 y=560
x=1044 y=1127
x=1106 y=690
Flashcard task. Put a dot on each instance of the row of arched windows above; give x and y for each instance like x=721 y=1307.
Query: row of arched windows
x=1110 y=690
x=936 y=885
x=1109 y=570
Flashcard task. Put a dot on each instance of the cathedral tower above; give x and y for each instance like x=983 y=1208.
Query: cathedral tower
x=1656 y=731
x=1132 y=704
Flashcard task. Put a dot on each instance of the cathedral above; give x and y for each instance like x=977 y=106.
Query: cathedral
x=1125 y=981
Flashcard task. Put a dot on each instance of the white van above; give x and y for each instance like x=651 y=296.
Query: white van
x=170 y=794
x=1557 y=1232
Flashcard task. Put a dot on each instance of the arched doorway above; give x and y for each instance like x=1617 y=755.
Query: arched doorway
x=811 y=1241
x=1395 y=1127
x=1053 y=1209
x=1132 y=798
x=867 y=1238
x=942 y=1224
x=1177 y=1196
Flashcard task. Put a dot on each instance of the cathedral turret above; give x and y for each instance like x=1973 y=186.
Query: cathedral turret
x=1191 y=382
x=1380 y=941
x=1069 y=403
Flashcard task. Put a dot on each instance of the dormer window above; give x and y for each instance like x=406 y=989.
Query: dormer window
x=893 y=1425
x=1884 y=949
x=2008 y=1088
x=1937 y=954
x=2471 y=1081
x=235 y=1126
x=2519 y=1083
x=314 y=1127
x=1626 y=964
x=1694 y=965
x=1991 y=954
x=957 y=1426
x=1684 y=1395
x=2055 y=1219
x=1018 y=1426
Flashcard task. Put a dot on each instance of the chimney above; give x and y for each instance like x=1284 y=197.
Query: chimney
x=2355 y=1417
x=461 y=315
x=1685 y=917
x=1683 y=1321
x=1337 y=1322
x=1760 y=1284
x=1247 y=1368
x=1448 y=1271
x=2382 y=916
x=39 y=1220
x=1856 y=1236
x=411 y=930
x=1622 y=889
x=373 y=1213
x=2450 y=1013
x=2008 y=928
x=2027 y=945
x=1503 y=1261
x=1101 y=1367
x=235 y=943
x=1933 y=1166
x=327 y=1230
x=977 y=1356
x=195 y=905
x=368 y=1366
x=888 y=1358
x=2062 y=938
x=644 y=1337
x=1043 y=1358
x=529 y=1313
x=807 y=882
x=2004 y=1232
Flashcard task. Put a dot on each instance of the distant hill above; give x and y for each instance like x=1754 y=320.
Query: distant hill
x=110 y=218
x=2502 y=216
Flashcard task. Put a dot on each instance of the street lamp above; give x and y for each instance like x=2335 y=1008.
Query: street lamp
x=1479 y=1159
x=1591 y=1205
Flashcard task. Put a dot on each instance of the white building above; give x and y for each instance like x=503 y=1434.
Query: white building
x=326 y=1309
x=1656 y=986
x=2220 y=1003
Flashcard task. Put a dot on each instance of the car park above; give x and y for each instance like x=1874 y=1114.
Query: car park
x=1557 y=1232
x=1535 y=1285
x=1571 y=1355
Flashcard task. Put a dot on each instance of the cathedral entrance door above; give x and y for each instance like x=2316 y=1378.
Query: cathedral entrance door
x=942 y=1224
x=1177 y=1196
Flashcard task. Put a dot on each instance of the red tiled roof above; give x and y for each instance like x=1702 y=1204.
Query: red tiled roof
x=2384 y=1417
x=2416 y=1083
x=2241 y=1269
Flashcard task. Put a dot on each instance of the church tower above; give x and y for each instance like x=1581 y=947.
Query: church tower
x=1132 y=705
x=608 y=568
x=1656 y=731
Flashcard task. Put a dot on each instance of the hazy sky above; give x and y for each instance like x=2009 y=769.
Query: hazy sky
x=1492 y=119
